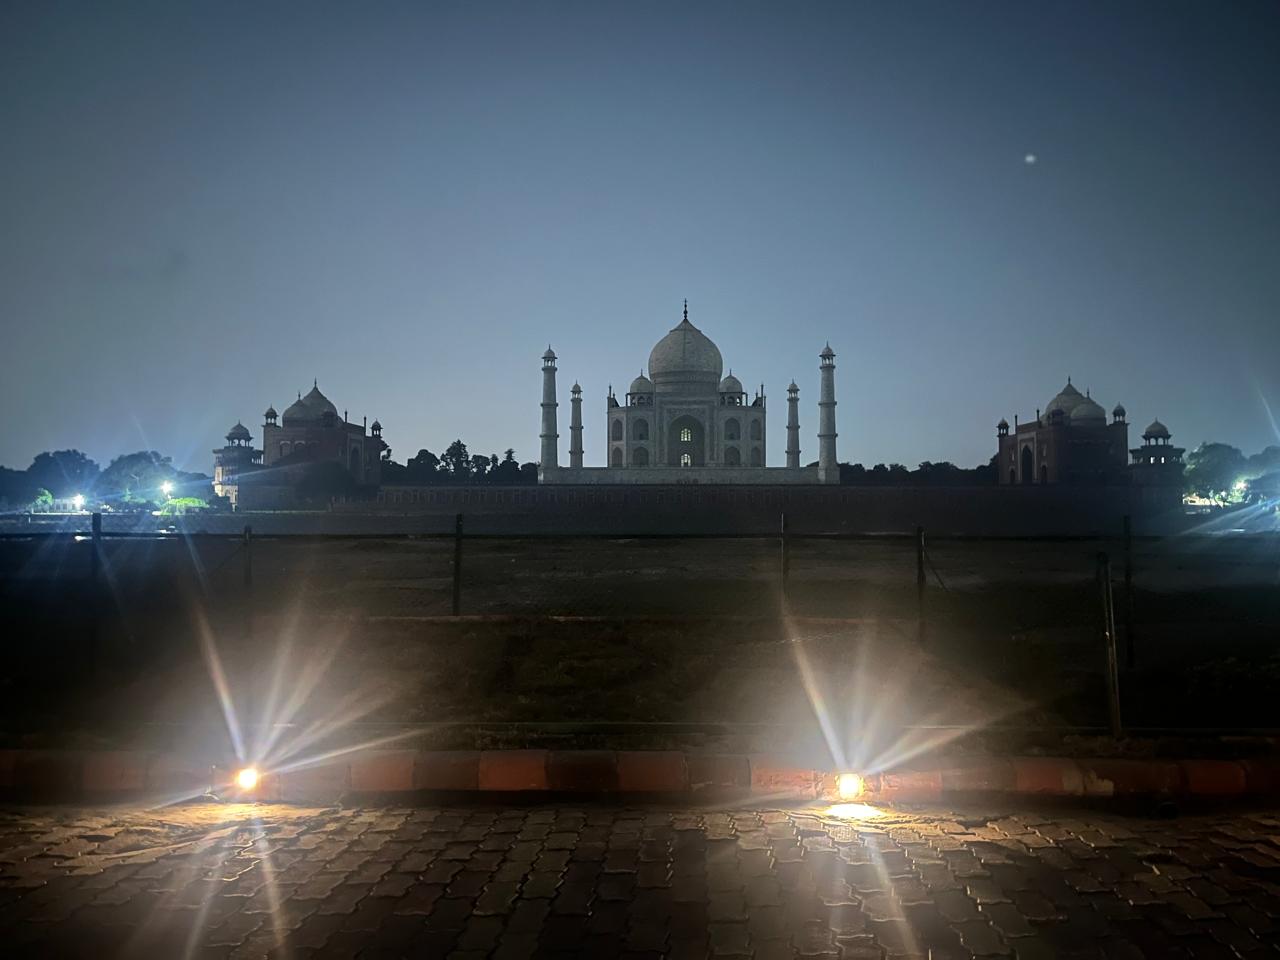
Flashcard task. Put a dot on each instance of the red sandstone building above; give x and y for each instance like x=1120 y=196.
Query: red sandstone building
x=310 y=432
x=1071 y=442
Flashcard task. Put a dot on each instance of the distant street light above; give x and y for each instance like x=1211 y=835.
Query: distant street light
x=167 y=488
x=78 y=501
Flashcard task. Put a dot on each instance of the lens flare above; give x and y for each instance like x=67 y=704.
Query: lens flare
x=247 y=778
x=850 y=786
x=855 y=811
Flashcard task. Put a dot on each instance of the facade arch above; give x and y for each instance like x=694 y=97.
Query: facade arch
x=755 y=429
x=615 y=431
x=640 y=430
x=757 y=457
x=615 y=458
x=732 y=429
x=686 y=438
x=640 y=457
x=732 y=457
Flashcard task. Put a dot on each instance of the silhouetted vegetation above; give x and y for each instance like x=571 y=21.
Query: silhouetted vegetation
x=130 y=481
x=1221 y=472
x=458 y=465
x=943 y=473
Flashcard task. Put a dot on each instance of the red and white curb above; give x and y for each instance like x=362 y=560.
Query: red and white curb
x=119 y=774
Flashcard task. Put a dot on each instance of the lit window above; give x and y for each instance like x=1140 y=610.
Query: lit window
x=685 y=459
x=686 y=435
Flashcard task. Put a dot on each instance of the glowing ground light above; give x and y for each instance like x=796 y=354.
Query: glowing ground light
x=854 y=811
x=850 y=786
x=247 y=778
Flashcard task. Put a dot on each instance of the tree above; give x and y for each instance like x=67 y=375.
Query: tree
x=423 y=468
x=64 y=473
x=852 y=473
x=1265 y=487
x=16 y=488
x=528 y=473
x=178 y=506
x=43 y=501
x=507 y=470
x=479 y=466
x=1213 y=469
x=137 y=477
x=457 y=461
x=1265 y=461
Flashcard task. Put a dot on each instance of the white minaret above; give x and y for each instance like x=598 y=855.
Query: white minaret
x=793 y=425
x=575 y=426
x=828 y=468
x=550 y=437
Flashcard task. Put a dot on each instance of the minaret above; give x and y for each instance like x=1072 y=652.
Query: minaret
x=550 y=438
x=828 y=469
x=575 y=426
x=793 y=425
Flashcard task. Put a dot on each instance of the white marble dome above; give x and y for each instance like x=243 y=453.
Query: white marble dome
x=1088 y=412
x=686 y=354
x=319 y=403
x=1066 y=400
x=297 y=412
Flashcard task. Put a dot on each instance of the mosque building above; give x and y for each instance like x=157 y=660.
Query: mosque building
x=687 y=422
x=1071 y=442
x=309 y=432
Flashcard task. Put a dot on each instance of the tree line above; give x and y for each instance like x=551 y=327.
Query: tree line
x=133 y=480
x=458 y=465
x=1215 y=471
x=1222 y=473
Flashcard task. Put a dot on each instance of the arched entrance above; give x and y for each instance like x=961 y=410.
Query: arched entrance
x=686 y=442
x=354 y=462
x=1028 y=465
x=1044 y=473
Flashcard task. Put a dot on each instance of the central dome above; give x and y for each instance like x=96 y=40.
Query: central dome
x=318 y=402
x=1068 y=399
x=685 y=355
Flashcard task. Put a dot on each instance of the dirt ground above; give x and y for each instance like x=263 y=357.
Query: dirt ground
x=1010 y=635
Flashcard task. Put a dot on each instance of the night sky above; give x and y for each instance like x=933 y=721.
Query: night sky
x=205 y=206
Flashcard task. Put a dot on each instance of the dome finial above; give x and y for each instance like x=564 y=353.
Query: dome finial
x=686 y=309
x=315 y=382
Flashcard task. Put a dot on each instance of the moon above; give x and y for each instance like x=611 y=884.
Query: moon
x=1030 y=159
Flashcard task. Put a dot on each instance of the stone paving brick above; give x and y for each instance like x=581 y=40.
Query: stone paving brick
x=611 y=882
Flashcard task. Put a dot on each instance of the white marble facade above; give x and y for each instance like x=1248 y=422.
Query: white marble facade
x=684 y=422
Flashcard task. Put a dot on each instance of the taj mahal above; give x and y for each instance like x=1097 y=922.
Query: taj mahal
x=687 y=422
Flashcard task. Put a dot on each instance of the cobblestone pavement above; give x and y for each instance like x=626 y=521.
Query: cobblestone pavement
x=241 y=881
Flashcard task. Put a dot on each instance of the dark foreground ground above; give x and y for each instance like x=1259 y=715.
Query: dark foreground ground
x=1011 y=633
x=507 y=882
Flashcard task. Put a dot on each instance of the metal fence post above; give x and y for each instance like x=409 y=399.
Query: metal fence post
x=95 y=546
x=97 y=603
x=784 y=546
x=920 y=624
x=247 y=546
x=1130 y=652
x=457 y=565
x=1109 y=638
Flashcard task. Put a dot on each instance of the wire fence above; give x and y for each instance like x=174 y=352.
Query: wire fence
x=1056 y=618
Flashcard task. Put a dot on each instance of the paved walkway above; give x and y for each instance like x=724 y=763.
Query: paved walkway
x=240 y=882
